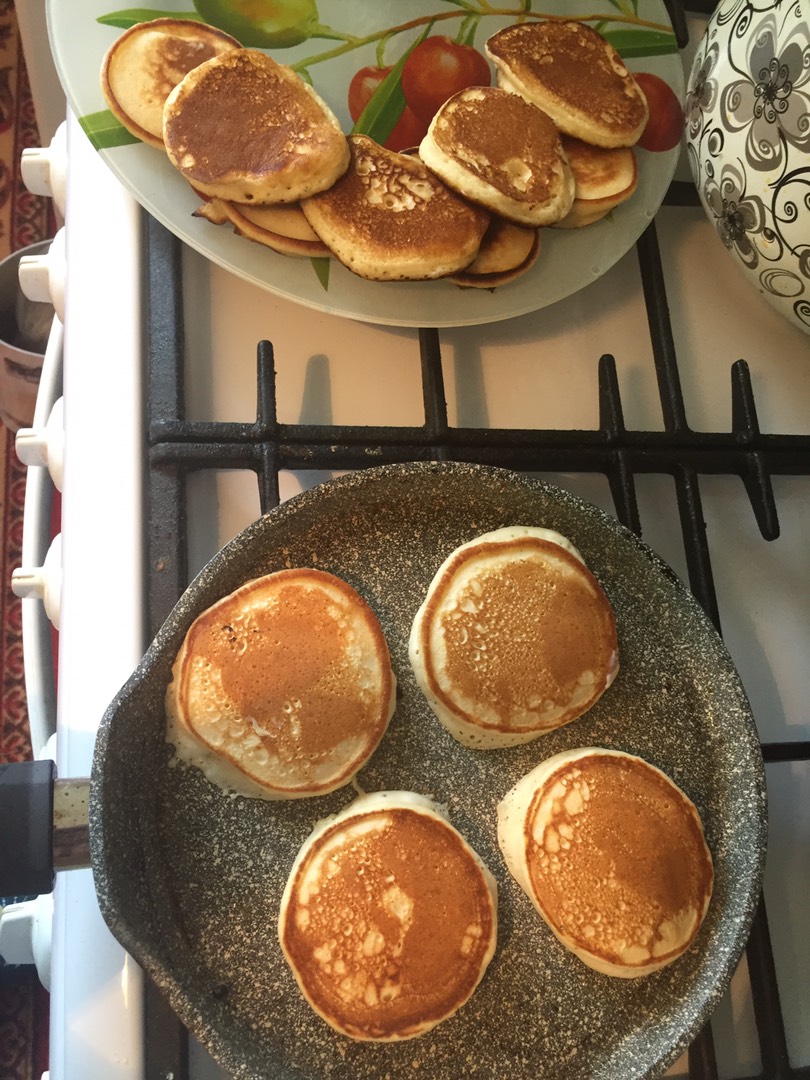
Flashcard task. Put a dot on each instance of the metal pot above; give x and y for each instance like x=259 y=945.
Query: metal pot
x=748 y=144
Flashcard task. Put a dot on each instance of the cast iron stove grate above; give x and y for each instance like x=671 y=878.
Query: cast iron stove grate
x=176 y=447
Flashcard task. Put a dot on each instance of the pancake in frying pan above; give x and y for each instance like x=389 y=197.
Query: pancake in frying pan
x=389 y=918
x=282 y=689
x=515 y=638
x=612 y=854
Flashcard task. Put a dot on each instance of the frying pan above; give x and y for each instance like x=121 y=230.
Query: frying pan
x=189 y=877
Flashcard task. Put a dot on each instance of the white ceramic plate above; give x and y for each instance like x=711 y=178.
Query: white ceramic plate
x=569 y=259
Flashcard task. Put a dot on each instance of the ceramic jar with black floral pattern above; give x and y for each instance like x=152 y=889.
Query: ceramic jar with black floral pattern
x=748 y=143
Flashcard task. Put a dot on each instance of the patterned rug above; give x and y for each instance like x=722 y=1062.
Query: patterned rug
x=24 y=219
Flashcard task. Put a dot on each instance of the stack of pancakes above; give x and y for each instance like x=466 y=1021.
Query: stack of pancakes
x=248 y=134
x=577 y=78
x=550 y=145
x=143 y=66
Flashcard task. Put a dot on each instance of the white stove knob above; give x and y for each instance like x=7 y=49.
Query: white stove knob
x=25 y=934
x=45 y=446
x=43 y=582
x=42 y=277
x=44 y=169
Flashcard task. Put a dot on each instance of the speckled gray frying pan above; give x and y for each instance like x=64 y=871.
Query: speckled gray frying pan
x=189 y=878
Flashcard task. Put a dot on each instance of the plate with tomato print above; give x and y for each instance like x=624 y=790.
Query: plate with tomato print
x=384 y=69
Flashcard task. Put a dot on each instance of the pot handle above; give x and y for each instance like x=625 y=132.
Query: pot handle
x=43 y=826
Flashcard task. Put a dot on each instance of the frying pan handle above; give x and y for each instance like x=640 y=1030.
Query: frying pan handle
x=43 y=826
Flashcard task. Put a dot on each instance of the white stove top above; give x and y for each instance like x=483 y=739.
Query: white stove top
x=538 y=371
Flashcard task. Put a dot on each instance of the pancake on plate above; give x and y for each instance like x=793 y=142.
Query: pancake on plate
x=603 y=179
x=282 y=689
x=572 y=73
x=282 y=228
x=389 y=918
x=244 y=128
x=507 y=251
x=612 y=854
x=212 y=210
x=389 y=218
x=143 y=66
x=514 y=638
x=502 y=153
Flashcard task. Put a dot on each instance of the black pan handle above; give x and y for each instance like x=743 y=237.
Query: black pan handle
x=43 y=826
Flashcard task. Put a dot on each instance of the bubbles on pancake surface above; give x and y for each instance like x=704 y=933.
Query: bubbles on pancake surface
x=515 y=637
x=612 y=854
x=388 y=919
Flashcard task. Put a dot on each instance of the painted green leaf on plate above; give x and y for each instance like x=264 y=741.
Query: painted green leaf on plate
x=104 y=131
x=130 y=16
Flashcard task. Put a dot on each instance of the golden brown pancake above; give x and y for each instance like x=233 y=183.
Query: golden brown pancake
x=612 y=854
x=575 y=75
x=506 y=252
x=144 y=64
x=390 y=219
x=282 y=689
x=388 y=919
x=599 y=172
x=515 y=638
x=282 y=228
x=244 y=128
x=603 y=178
x=497 y=150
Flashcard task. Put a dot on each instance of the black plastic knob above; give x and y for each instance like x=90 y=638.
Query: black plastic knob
x=26 y=828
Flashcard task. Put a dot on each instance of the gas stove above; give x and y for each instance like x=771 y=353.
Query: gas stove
x=667 y=393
